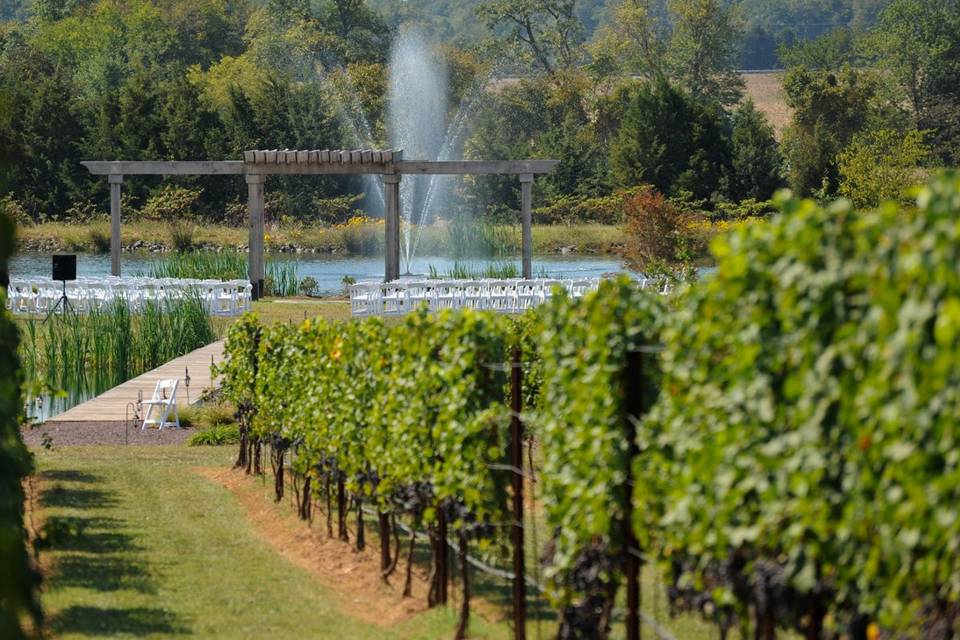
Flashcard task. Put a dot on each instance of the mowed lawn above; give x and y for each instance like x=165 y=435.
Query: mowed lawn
x=138 y=543
x=141 y=545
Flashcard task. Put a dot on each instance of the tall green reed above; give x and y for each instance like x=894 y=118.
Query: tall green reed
x=86 y=354
x=281 y=276
x=466 y=271
x=469 y=236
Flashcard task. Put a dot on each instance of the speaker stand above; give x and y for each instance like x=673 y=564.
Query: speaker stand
x=63 y=301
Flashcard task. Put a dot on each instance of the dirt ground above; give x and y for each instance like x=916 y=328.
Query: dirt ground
x=67 y=434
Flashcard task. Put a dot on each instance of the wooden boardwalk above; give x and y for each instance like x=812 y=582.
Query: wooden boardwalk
x=111 y=405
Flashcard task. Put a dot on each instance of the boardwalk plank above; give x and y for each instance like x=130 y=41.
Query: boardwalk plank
x=112 y=405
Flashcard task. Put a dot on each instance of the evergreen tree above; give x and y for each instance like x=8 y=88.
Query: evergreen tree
x=675 y=142
x=757 y=163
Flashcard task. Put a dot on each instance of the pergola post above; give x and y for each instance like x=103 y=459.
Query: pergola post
x=255 y=183
x=526 y=222
x=116 y=182
x=391 y=214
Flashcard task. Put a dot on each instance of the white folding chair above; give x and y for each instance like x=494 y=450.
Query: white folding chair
x=165 y=401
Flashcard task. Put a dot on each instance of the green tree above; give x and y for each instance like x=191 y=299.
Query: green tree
x=545 y=32
x=756 y=159
x=334 y=32
x=673 y=141
x=829 y=52
x=51 y=10
x=918 y=42
x=705 y=47
x=636 y=40
x=881 y=165
x=40 y=128
x=695 y=43
x=829 y=109
x=538 y=118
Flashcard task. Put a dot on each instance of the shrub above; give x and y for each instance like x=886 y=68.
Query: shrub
x=85 y=212
x=215 y=435
x=881 y=165
x=13 y=210
x=335 y=210
x=170 y=203
x=574 y=210
x=748 y=208
x=308 y=287
x=362 y=236
x=181 y=235
x=656 y=232
x=100 y=239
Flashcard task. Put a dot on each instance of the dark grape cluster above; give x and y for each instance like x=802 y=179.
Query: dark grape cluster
x=456 y=511
x=413 y=498
x=591 y=576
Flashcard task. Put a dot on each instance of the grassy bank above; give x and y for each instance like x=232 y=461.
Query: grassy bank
x=356 y=239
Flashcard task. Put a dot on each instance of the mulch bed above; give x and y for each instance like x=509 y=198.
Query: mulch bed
x=68 y=434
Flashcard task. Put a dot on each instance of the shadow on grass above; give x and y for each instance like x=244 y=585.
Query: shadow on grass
x=499 y=592
x=494 y=589
x=59 y=496
x=107 y=573
x=88 y=535
x=67 y=475
x=102 y=621
x=94 y=553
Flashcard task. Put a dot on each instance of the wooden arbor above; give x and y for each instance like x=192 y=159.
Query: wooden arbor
x=258 y=165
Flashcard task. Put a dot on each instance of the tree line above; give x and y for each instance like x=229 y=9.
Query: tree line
x=623 y=93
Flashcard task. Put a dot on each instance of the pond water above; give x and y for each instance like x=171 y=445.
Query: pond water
x=329 y=271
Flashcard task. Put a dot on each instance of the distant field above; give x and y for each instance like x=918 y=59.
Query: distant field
x=767 y=94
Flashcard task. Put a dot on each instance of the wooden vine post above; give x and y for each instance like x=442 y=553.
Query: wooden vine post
x=516 y=462
x=635 y=388
x=441 y=559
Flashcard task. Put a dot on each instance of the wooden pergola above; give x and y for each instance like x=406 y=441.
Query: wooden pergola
x=258 y=165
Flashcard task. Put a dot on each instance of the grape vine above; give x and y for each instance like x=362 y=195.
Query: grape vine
x=18 y=588
x=798 y=469
x=803 y=452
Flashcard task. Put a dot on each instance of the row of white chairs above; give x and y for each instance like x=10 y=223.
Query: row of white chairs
x=40 y=295
x=504 y=296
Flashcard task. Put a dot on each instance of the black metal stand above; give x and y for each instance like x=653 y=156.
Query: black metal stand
x=62 y=301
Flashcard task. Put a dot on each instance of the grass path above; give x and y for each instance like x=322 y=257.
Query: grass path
x=140 y=545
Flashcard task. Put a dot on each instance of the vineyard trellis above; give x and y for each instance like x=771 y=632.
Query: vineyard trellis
x=772 y=480
x=410 y=420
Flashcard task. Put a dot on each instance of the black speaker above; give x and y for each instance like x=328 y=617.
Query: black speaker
x=65 y=267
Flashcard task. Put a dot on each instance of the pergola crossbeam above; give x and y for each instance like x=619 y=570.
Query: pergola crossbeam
x=257 y=164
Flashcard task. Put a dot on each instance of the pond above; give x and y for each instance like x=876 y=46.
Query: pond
x=329 y=271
